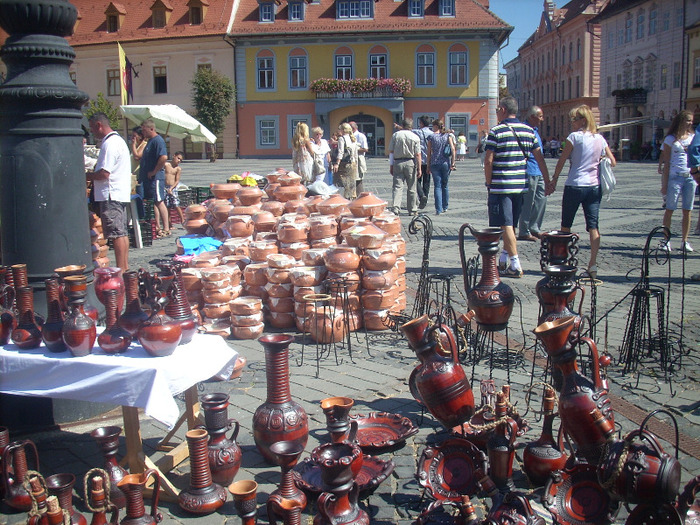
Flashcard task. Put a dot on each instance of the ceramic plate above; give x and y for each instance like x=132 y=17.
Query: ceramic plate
x=307 y=475
x=381 y=430
x=447 y=471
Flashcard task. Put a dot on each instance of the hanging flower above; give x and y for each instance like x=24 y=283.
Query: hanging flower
x=400 y=86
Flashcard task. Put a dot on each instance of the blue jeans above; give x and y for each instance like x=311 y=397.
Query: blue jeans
x=441 y=176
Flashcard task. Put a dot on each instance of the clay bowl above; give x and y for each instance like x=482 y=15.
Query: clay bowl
x=379 y=259
x=247 y=332
x=249 y=195
x=313 y=256
x=333 y=205
x=247 y=320
x=225 y=190
x=259 y=250
x=367 y=204
x=367 y=237
x=401 y=265
x=246 y=305
x=71 y=269
x=307 y=275
x=398 y=242
x=270 y=188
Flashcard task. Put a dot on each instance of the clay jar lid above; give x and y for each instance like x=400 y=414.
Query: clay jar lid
x=239 y=226
x=296 y=206
x=264 y=221
x=288 y=193
x=334 y=205
x=349 y=221
x=280 y=260
x=276 y=208
x=249 y=195
x=388 y=222
x=311 y=202
x=272 y=177
x=226 y=190
x=368 y=236
x=195 y=211
x=289 y=179
x=367 y=204
x=246 y=305
x=313 y=256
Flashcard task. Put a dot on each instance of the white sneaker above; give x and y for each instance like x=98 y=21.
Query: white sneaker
x=687 y=247
x=665 y=246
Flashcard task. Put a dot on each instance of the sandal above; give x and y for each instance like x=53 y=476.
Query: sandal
x=161 y=234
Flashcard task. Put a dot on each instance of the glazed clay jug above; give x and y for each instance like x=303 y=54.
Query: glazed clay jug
x=544 y=456
x=203 y=495
x=109 y=278
x=224 y=453
x=14 y=471
x=97 y=501
x=51 y=332
x=501 y=447
x=279 y=418
x=79 y=332
x=133 y=486
x=584 y=406
x=556 y=292
x=114 y=339
x=441 y=382
x=178 y=308
x=133 y=314
x=8 y=319
x=491 y=299
x=159 y=334
x=107 y=439
x=27 y=334
x=61 y=486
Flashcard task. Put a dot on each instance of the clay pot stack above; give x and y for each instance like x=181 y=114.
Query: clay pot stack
x=192 y=281
x=217 y=292
x=293 y=234
x=195 y=220
x=343 y=264
x=98 y=245
x=323 y=230
x=246 y=317
x=280 y=291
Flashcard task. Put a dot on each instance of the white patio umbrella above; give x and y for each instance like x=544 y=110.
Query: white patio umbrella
x=170 y=120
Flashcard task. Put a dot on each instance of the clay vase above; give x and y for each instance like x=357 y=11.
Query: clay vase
x=556 y=292
x=27 y=334
x=107 y=439
x=8 y=319
x=491 y=299
x=244 y=494
x=109 y=278
x=501 y=447
x=97 y=500
x=61 y=486
x=279 y=418
x=133 y=485
x=337 y=505
x=113 y=339
x=178 y=308
x=51 y=332
x=79 y=332
x=337 y=410
x=14 y=471
x=159 y=334
x=558 y=247
x=287 y=501
x=62 y=273
x=584 y=405
x=223 y=452
x=442 y=384
x=133 y=314
x=544 y=456
x=203 y=495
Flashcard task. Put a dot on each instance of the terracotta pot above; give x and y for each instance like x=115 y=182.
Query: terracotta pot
x=255 y=274
x=276 y=208
x=235 y=246
x=239 y=226
x=217 y=273
x=195 y=211
x=225 y=190
x=296 y=206
x=249 y=195
x=289 y=193
x=303 y=308
x=282 y=305
x=270 y=188
x=205 y=260
x=322 y=226
x=379 y=259
x=247 y=332
x=246 y=210
x=289 y=179
x=333 y=205
x=313 y=256
x=283 y=320
x=352 y=279
x=296 y=229
x=222 y=211
x=281 y=260
x=307 y=275
x=348 y=221
x=221 y=295
x=388 y=222
x=379 y=299
x=236 y=261
x=255 y=291
x=398 y=242
x=374 y=319
x=342 y=259
x=367 y=204
x=327 y=325
x=216 y=311
x=327 y=242
x=279 y=289
x=215 y=285
x=301 y=291
x=279 y=418
x=264 y=221
x=191 y=279
x=246 y=306
x=278 y=275
x=311 y=202
x=294 y=249
x=259 y=250
x=372 y=280
x=196 y=226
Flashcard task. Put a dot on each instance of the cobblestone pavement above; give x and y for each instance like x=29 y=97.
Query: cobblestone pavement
x=377 y=376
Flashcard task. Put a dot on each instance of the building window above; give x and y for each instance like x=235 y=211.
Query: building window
x=578 y=87
x=266 y=73
x=651 y=75
x=570 y=83
x=666 y=22
x=627 y=77
x=160 y=79
x=296 y=11
x=608 y=86
x=267 y=12
x=679 y=17
x=458 y=68
x=696 y=72
x=618 y=81
x=555 y=58
x=377 y=66
x=195 y=15
x=611 y=39
x=297 y=72
x=563 y=55
x=426 y=69
x=354 y=9
x=113 y=83
x=563 y=93
x=203 y=66
x=640 y=24
x=112 y=23
x=676 y=75
x=292 y=121
x=652 y=19
x=620 y=37
x=578 y=49
x=628 y=28
x=571 y=52
x=266 y=136
x=343 y=67
x=415 y=8
x=457 y=124
x=447 y=8
x=158 y=18
x=74 y=77
x=638 y=71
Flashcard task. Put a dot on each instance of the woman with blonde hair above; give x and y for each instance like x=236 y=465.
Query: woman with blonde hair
x=676 y=180
x=321 y=154
x=302 y=153
x=585 y=147
x=345 y=165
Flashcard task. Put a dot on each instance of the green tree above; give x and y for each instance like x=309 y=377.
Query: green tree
x=212 y=98
x=102 y=105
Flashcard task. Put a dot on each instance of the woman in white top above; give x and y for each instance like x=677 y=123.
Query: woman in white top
x=585 y=147
x=322 y=153
x=302 y=153
x=676 y=180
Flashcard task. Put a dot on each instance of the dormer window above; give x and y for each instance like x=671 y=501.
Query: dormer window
x=447 y=8
x=197 y=11
x=114 y=17
x=415 y=8
x=267 y=12
x=354 y=9
x=160 y=13
x=296 y=11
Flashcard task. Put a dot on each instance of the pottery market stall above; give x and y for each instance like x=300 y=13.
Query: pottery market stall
x=133 y=380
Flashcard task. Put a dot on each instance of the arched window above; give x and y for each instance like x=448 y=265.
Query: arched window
x=343 y=63
x=458 y=65
x=379 y=62
x=425 y=65
x=265 y=61
x=640 y=24
x=578 y=49
x=298 y=67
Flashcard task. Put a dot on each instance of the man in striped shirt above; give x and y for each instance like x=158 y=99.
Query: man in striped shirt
x=508 y=147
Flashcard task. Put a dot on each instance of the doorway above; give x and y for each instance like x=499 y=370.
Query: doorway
x=373 y=128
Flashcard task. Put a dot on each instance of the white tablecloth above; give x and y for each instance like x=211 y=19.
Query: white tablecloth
x=133 y=379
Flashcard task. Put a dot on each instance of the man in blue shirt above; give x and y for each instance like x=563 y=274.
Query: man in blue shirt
x=535 y=200
x=152 y=171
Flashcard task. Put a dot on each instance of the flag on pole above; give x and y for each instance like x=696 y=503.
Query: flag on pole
x=125 y=76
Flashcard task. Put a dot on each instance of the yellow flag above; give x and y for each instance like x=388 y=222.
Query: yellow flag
x=123 y=75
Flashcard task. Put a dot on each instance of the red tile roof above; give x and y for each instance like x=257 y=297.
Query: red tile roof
x=92 y=28
x=389 y=16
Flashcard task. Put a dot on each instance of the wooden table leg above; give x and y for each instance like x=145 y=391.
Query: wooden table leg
x=191 y=415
